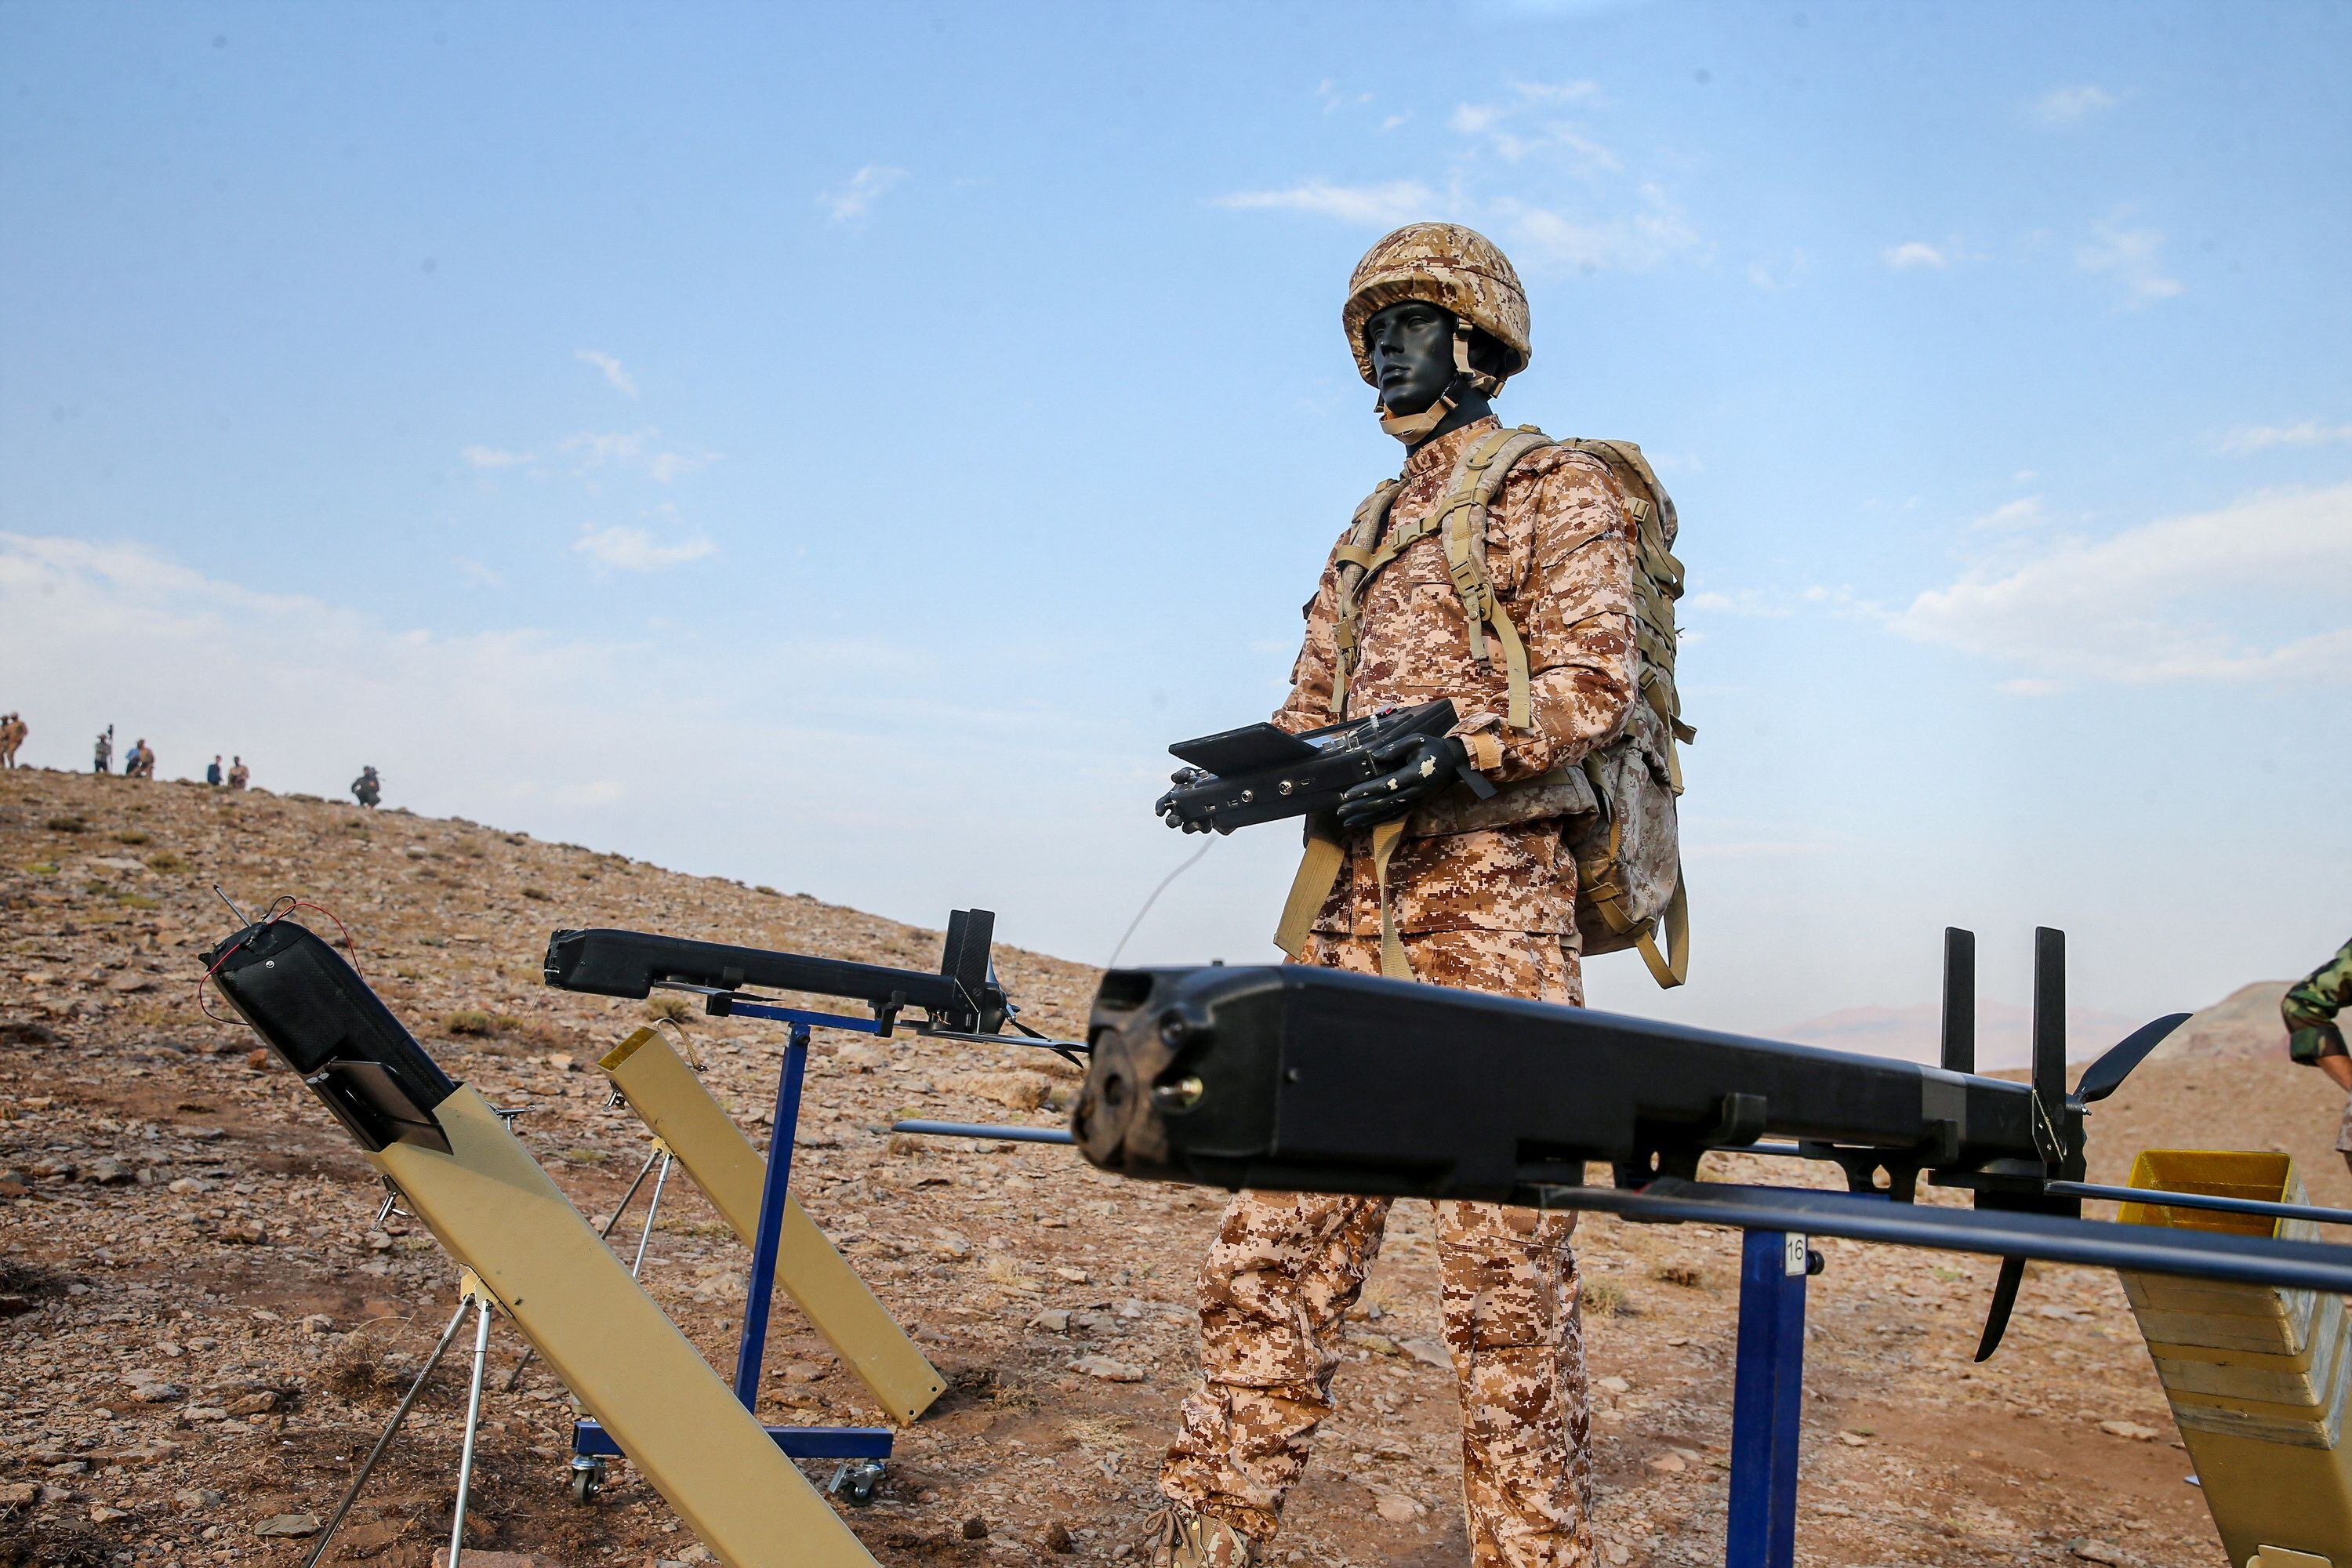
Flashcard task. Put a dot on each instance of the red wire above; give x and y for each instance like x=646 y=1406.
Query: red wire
x=270 y=917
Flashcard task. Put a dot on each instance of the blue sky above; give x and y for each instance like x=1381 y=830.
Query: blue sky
x=840 y=448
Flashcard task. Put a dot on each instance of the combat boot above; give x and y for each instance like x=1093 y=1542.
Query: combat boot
x=1179 y=1538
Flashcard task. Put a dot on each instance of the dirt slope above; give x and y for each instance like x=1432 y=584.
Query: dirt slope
x=200 y=1326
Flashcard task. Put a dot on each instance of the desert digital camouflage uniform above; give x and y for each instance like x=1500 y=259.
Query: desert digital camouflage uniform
x=2309 y=1010
x=1486 y=910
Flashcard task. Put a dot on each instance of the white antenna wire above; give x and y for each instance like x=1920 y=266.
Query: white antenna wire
x=1154 y=899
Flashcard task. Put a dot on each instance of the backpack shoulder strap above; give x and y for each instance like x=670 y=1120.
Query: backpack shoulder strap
x=1356 y=562
x=1461 y=517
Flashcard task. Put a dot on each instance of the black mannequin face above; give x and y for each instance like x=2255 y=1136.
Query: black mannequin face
x=1411 y=348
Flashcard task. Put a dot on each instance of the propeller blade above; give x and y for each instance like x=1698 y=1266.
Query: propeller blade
x=2004 y=1301
x=2106 y=1075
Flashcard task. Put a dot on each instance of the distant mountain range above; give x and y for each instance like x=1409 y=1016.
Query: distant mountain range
x=2245 y=1023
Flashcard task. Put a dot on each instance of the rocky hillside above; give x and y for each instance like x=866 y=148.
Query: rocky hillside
x=201 y=1324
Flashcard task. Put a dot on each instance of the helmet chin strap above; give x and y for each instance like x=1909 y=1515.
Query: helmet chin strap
x=1413 y=428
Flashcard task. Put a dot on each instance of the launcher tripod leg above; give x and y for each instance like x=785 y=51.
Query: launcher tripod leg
x=481 y=1300
x=1767 y=1397
x=466 y=1299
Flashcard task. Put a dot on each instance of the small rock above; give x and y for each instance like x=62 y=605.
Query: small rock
x=1668 y=1464
x=259 y=1403
x=1854 y=1439
x=127 y=983
x=2090 y=1549
x=288 y=1526
x=975 y=1529
x=1058 y=1538
x=255 y=1060
x=2131 y=1429
x=317 y=1323
x=157 y=1393
x=1130 y=1309
x=1107 y=1370
x=1613 y=1385
x=19 y=1494
x=1429 y=1353
x=1053 y=1320
x=197 y=1498
x=1398 y=1509
x=109 y=1172
x=205 y=1413
x=1072 y=1276
x=102 y=1515
x=188 y=1185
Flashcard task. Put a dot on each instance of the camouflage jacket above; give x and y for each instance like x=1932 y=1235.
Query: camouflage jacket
x=1559 y=550
x=2311 y=1005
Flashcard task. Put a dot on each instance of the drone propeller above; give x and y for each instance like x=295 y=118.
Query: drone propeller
x=2106 y=1075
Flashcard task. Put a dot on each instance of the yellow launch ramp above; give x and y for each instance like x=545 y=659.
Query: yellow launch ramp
x=489 y=1203
x=2257 y=1376
x=670 y=1098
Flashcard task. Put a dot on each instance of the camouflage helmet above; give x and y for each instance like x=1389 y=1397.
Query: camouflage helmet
x=1456 y=268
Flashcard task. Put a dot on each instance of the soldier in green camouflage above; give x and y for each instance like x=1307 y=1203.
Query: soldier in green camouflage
x=2312 y=1037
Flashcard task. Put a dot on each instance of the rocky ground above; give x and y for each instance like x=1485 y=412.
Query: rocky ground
x=201 y=1324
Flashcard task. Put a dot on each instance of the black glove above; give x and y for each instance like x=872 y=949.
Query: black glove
x=1165 y=804
x=1419 y=767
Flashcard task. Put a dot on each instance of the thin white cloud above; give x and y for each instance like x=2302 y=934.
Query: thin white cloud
x=2025 y=512
x=1611 y=216
x=636 y=449
x=1386 y=205
x=852 y=202
x=474 y=575
x=2257 y=590
x=1776 y=276
x=615 y=374
x=625 y=548
x=1628 y=242
x=492 y=457
x=2262 y=437
x=2070 y=105
x=1913 y=255
x=2133 y=258
x=1334 y=99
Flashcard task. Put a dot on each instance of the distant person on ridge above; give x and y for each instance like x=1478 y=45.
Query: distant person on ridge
x=213 y=769
x=12 y=735
x=239 y=775
x=367 y=789
x=140 y=762
x=2313 y=1036
x=102 y=760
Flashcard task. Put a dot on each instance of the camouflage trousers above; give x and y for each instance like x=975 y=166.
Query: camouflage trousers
x=1286 y=1267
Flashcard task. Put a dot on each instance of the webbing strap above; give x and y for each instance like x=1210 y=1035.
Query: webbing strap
x=1393 y=962
x=1672 y=967
x=1319 y=868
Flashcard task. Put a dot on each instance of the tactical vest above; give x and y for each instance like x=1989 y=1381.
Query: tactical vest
x=1619 y=800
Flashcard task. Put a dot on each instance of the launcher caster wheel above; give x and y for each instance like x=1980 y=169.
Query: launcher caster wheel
x=858 y=1482
x=587 y=1479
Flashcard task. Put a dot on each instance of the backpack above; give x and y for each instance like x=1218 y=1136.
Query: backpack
x=1619 y=799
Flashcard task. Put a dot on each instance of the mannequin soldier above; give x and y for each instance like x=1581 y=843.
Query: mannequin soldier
x=1437 y=321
